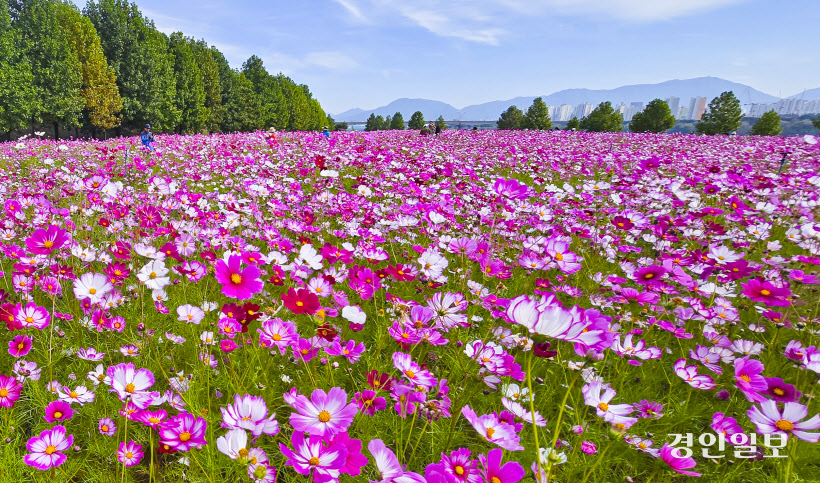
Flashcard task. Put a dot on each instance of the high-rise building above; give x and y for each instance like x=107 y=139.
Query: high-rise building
x=563 y=113
x=674 y=104
x=697 y=106
x=583 y=110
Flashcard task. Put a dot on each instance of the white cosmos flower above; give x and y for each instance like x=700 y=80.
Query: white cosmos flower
x=234 y=444
x=153 y=275
x=354 y=314
x=92 y=286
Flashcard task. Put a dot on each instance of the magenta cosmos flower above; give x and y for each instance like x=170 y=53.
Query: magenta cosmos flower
x=130 y=453
x=45 y=450
x=45 y=241
x=311 y=456
x=236 y=282
x=670 y=456
x=20 y=345
x=770 y=420
x=31 y=316
x=301 y=301
x=491 y=429
x=412 y=371
x=324 y=414
x=132 y=384
x=495 y=472
x=650 y=274
x=9 y=391
x=767 y=293
x=250 y=413
x=748 y=378
x=512 y=189
x=58 y=411
x=183 y=432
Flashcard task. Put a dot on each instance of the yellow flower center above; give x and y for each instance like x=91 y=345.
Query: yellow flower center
x=130 y=388
x=73 y=395
x=778 y=391
x=29 y=320
x=314 y=461
x=410 y=374
x=459 y=470
x=324 y=416
x=765 y=292
x=642 y=445
x=784 y=425
x=277 y=337
x=649 y=275
x=51 y=450
x=58 y=415
x=92 y=291
x=153 y=275
x=4 y=392
x=104 y=428
x=153 y=420
x=185 y=436
x=48 y=244
x=746 y=378
x=490 y=432
x=299 y=303
x=495 y=479
x=236 y=278
x=559 y=257
x=129 y=455
x=603 y=406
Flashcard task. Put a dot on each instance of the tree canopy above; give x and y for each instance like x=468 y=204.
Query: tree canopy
x=603 y=119
x=108 y=66
x=537 y=116
x=767 y=125
x=511 y=119
x=656 y=117
x=724 y=115
x=416 y=120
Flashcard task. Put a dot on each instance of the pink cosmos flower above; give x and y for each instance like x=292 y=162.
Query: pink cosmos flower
x=236 y=282
x=749 y=380
x=20 y=345
x=351 y=351
x=130 y=453
x=45 y=450
x=301 y=301
x=781 y=391
x=771 y=420
x=31 y=316
x=132 y=384
x=43 y=242
x=460 y=468
x=388 y=466
x=276 y=332
x=58 y=411
x=106 y=427
x=670 y=456
x=324 y=414
x=310 y=457
x=727 y=426
x=368 y=403
x=512 y=189
x=612 y=413
x=355 y=460
x=650 y=274
x=9 y=391
x=767 y=293
x=492 y=429
x=250 y=413
x=495 y=472
x=412 y=371
x=690 y=375
x=183 y=432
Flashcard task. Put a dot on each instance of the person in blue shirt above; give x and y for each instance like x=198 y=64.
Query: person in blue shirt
x=147 y=137
x=325 y=132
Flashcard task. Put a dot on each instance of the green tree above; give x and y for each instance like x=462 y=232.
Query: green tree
x=387 y=121
x=372 y=123
x=397 y=122
x=272 y=101
x=99 y=84
x=17 y=95
x=656 y=117
x=603 y=119
x=767 y=125
x=57 y=72
x=416 y=121
x=330 y=122
x=211 y=81
x=537 y=116
x=243 y=111
x=190 y=87
x=724 y=116
x=441 y=123
x=341 y=126
x=142 y=61
x=511 y=119
x=816 y=122
x=573 y=123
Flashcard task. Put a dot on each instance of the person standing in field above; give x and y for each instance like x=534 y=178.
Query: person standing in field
x=147 y=137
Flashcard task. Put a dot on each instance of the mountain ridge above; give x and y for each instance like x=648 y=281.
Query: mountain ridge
x=685 y=89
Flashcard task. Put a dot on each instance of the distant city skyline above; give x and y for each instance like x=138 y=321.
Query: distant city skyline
x=365 y=53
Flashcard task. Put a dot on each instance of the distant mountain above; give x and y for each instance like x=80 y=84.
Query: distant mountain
x=807 y=95
x=685 y=89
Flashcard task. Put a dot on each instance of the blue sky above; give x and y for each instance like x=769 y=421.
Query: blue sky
x=366 y=53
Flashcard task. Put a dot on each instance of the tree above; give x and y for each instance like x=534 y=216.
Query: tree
x=17 y=97
x=268 y=89
x=656 y=117
x=387 y=122
x=372 y=123
x=242 y=108
x=573 y=124
x=397 y=122
x=99 y=84
x=211 y=83
x=440 y=123
x=724 y=116
x=55 y=69
x=816 y=122
x=142 y=61
x=416 y=120
x=603 y=119
x=190 y=88
x=767 y=125
x=537 y=116
x=341 y=126
x=510 y=119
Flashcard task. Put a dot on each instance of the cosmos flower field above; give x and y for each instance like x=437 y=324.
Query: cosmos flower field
x=476 y=307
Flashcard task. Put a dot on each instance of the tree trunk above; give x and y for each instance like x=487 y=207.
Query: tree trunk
x=56 y=130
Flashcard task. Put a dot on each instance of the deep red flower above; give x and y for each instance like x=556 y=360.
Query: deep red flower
x=301 y=301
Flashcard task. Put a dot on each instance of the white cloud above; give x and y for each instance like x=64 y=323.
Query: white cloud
x=352 y=9
x=630 y=10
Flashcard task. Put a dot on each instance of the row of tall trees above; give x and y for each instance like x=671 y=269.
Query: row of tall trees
x=536 y=117
x=109 y=67
x=396 y=121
